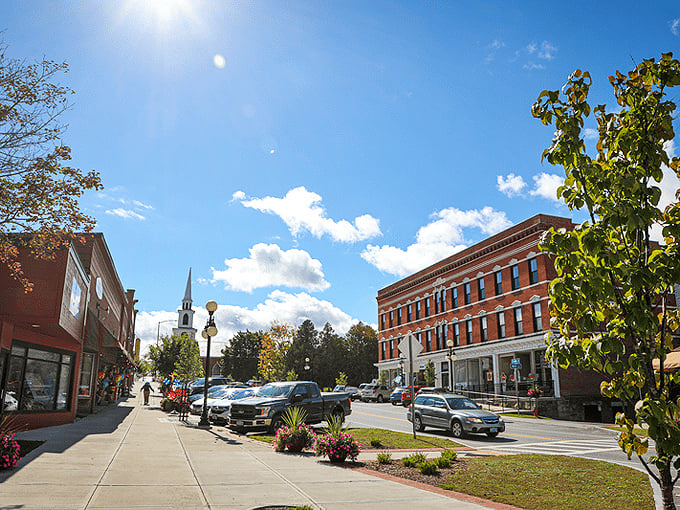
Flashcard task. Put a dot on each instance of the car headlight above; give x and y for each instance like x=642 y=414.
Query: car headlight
x=475 y=420
x=500 y=419
x=262 y=411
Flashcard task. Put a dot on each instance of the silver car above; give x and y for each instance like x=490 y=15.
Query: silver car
x=376 y=392
x=452 y=412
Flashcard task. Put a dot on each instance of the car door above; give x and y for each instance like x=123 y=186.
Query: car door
x=440 y=413
x=426 y=410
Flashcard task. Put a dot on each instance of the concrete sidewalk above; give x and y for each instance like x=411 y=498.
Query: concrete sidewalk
x=134 y=456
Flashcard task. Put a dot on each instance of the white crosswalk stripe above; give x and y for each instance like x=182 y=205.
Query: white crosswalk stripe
x=576 y=447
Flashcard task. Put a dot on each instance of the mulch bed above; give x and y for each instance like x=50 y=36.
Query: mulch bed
x=410 y=473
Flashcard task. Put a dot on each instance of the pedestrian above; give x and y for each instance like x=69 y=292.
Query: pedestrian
x=147 y=391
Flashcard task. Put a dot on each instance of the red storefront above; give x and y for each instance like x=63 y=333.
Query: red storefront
x=46 y=336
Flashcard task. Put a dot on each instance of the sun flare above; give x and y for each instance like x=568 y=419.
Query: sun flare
x=164 y=15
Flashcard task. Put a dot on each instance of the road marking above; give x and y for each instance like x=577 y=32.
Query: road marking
x=560 y=447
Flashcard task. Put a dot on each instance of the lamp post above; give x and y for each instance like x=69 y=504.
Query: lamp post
x=451 y=357
x=158 y=330
x=208 y=331
x=401 y=370
x=306 y=368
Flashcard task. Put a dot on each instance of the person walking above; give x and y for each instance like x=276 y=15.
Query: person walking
x=146 y=389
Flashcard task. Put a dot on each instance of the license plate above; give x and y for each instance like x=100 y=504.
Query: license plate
x=239 y=422
x=493 y=430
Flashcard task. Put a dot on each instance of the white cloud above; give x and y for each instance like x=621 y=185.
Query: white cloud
x=238 y=195
x=269 y=266
x=438 y=239
x=230 y=319
x=531 y=66
x=590 y=134
x=545 y=185
x=669 y=185
x=531 y=48
x=141 y=205
x=511 y=185
x=675 y=26
x=497 y=44
x=547 y=51
x=301 y=211
x=125 y=213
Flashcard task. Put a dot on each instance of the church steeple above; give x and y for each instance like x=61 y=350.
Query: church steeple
x=185 y=319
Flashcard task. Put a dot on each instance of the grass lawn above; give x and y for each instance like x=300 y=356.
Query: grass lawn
x=638 y=431
x=386 y=439
x=553 y=482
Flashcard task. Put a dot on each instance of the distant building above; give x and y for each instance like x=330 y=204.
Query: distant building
x=491 y=300
x=67 y=346
x=185 y=315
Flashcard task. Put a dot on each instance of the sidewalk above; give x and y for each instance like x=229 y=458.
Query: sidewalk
x=134 y=456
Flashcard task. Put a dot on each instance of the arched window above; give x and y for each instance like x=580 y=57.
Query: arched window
x=185 y=320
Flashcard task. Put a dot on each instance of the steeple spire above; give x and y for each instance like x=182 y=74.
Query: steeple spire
x=187 y=293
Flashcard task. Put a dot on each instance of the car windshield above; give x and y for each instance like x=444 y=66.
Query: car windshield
x=198 y=382
x=370 y=387
x=221 y=393
x=275 y=390
x=339 y=388
x=215 y=390
x=461 y=403
x=243 y=394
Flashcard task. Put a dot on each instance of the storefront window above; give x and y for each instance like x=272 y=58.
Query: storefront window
x=84 y=388
x=39 y=379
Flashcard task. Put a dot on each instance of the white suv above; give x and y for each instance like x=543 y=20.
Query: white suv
x=376 y=392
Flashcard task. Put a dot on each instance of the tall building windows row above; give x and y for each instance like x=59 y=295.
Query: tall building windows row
x=536 y=315
x=399 y=316
x=428 y=340
x=408 y=313
x=468 y=293
x=483 y=328
x=382 y=321
x=514 y=277
x=533 y=271
x=468 y=331
x=480 y=289
x=417 y=310
x=456 y=334
x=426 y=302
x=442 y=300
x=454 y=297
x=500 y=318
x=519 y=328
x=498 y=278
x=391 y=318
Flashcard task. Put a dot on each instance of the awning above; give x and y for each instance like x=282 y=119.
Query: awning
x=671 y=362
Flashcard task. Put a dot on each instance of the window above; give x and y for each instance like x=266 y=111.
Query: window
x=444 y=328
x=533 y=271
x=468 y=331
x=519 y=329
x=499 y=283
x=40 y=379
x=514 y=272
x=442 y=300
x=398 y=316
x=427 y=306
x=480 y=289
x=482 y=325
x=501 y=324
x=382 y=321
x=438 y=336
x=536 y=312
x=436 y=303
x=185 y=319
x=428 y=340
x=84 y=387
x=382 y=346
x=391 y=317
x=468 y=293
x=408 y=313
x=417 y=310
x=456 y=334
x=454 y=297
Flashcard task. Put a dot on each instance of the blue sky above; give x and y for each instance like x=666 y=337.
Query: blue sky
x=299 y=156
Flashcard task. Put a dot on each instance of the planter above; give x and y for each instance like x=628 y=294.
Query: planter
x=337 y=457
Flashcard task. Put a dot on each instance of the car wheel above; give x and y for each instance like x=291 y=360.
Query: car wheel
x=394 y=403
x=492 y=434
x=418 y=422
x=380 y=399
x=277 y=423
x=340 y=413
x=457 y=429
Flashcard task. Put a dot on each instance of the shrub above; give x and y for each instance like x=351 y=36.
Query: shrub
x=375 y=443
x=413 y=460
x=10 y=451
x=334 y=425
x=449 y=455
x=429 y=468
x=337 y=447
x=384 y=458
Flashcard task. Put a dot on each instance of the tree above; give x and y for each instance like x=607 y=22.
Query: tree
x=611 y=303
x=38 y=191
x=331 y=356
x=428 y=373
x=275 y=345
x=171 y=350
x=362 y=353
x=241 y=356
x=188 y=363
x=304 y=345
x=341 y=379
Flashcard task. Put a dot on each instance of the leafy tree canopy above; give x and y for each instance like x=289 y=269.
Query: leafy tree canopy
x=612 y=306
x=38 y=190
x=176 y=353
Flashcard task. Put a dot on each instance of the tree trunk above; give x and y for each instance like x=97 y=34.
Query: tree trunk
x=667 y=487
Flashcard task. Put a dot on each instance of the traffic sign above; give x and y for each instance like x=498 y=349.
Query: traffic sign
x=415 y=347
x=516 y=363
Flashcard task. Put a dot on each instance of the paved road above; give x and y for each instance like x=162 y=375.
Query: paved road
x=522 y=435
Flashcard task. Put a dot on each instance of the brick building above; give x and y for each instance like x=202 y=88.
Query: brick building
x=66 y=346
x=491 y=300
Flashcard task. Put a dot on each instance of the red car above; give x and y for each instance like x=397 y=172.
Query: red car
x=406 y=394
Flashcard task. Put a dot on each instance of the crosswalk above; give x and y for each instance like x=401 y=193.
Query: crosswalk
x=571 y=447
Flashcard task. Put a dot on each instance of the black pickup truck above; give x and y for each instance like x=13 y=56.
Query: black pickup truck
x=265 y=411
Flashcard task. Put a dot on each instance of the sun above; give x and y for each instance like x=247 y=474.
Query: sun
x=163 y=15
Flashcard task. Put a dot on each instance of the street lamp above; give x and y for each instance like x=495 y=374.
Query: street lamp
x=208 y=331
x=306 y=368
x=158 y=330
x=451 y=357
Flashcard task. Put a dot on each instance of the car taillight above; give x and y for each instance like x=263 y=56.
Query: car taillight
x=409 y=407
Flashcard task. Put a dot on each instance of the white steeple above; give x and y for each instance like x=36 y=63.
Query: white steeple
x=185 y=319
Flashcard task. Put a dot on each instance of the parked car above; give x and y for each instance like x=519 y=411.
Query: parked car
x=395 y=396
x=211 y=392
x=453 y=412
x=352 y=390
x=196 y=406
x=219 y=407
x=406 y=394
x=432 y=389
x=377 y=392
x=198 y=385
x=265 y=411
